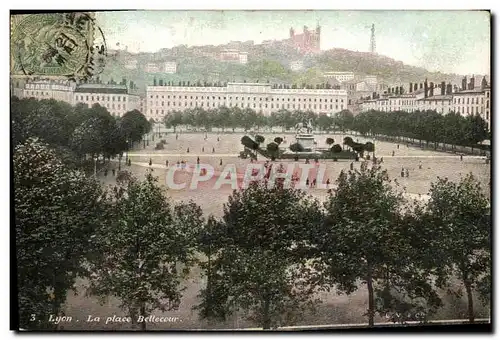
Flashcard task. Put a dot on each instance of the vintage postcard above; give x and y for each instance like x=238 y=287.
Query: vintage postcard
x=251 y=170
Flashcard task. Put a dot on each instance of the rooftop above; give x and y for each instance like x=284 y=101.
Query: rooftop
x=476 y=90
x=101 y=88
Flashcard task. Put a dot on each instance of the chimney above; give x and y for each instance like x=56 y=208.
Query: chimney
x=397 y=90
x=426 y=89
x=464 y=83
x=411 y=87
x=472 y=83
x=484 y=83
x=415 y=87
x=401 y=90
x=449 y=89
x=443 y=88
x=374 y=95
x=455 y=88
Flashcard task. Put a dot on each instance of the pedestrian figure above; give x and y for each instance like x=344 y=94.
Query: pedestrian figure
x=187 y=150
x=197 y=160
x=129 y=162
x=381 y=160
x=113 y=171
x=176 y=136
x=392 y=153
x=307 y=160
x=313 y=183
x=213 y=150
x=402 y=172
x=407 y=172
x=203 y=149
x=461 y=157
x=220 y=163
x=166 y=163
x=420 y=164
x=327 y=181
x=351 y=166
x=150 y=162
x=398 y=146
x=307 y=181
x=218 y=139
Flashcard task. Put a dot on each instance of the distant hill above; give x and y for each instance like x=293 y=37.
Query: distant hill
x=266 y=64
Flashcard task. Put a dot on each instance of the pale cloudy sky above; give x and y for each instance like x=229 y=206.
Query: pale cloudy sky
x=446 y=41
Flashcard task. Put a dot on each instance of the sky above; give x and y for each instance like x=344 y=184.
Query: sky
x=445 y=41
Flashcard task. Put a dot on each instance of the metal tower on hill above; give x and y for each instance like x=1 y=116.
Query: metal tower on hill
x=372 y=40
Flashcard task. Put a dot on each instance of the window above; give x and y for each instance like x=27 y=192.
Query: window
x=98 y=98
x=120 y=97
x=87 y=97
x=168 y=103
x=156 y=98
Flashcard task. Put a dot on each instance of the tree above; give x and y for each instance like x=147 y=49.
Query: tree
x=460 y=217
x=362 y=236
x=258 y=262
x=134 y=125
x=146 y=249
x=57 y=212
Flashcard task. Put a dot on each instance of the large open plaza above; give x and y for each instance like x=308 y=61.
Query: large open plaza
x=335 y=309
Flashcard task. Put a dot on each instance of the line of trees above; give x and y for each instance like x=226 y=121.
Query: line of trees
x=427 y=126
x=76 y=132
x=247 y=118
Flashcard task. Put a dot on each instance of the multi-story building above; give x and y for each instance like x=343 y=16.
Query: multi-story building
x=307 y=42
x=116 y=98
x=170 y=67
x=233 y=55
x=487 y=106
x=371 y=81
x=340 y=76
x=469 y=100
x=243 y=58
x=49 y=89
x=161 y=100
x=152 y=68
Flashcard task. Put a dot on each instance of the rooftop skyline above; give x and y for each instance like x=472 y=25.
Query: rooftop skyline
x=445 y=41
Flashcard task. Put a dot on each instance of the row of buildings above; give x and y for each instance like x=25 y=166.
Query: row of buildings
x=468 y=99
x=169 y=67
x=117 y=98
x=161 y=100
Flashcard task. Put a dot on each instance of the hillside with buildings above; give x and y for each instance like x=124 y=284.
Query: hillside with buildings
x=295 y=60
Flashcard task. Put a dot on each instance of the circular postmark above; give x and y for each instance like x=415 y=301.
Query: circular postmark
x=56 y=44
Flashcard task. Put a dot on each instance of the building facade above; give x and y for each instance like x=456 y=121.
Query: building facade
x=115 y=98
x=307 y=42
x=49 y=89
x=162 y=100
x=340 y=76
x=170 y=67
x=442 y=98
x=233 y=55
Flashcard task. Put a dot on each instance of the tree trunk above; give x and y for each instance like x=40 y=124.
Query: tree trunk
x=143 y=313
x=266 y=318
x=371 y=310
x=470 y=306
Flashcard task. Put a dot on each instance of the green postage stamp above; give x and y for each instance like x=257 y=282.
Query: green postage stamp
x=57 y=45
